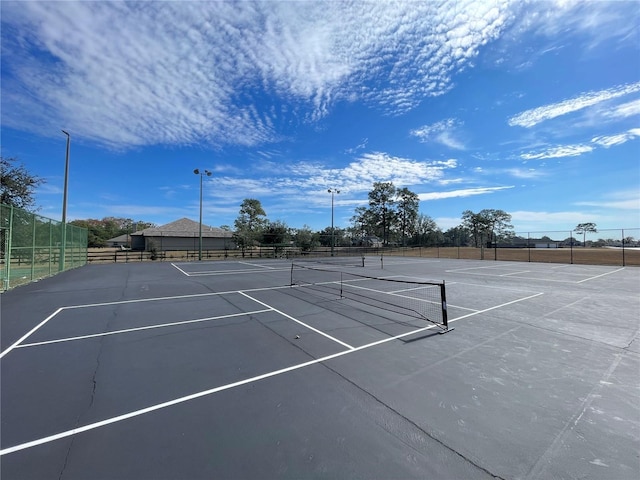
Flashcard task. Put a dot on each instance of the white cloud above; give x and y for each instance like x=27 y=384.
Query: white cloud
x=129 y=74
x=530 y=118
x=549 y=222
x=624 y=110
x=627 y=200
x=302 y=182
x=607 y=141
x=558 y=152
x=524 y=173
x=441 y=132
x=466 y=192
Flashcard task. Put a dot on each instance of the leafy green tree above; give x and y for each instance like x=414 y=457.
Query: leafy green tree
x=381 y=207
x=456 y=237
x=99 y=231
x=427 y=232
x=277 y=234
x=17 y=185
x=584 y=228
x=362 y=222
x=339 y=234
x=305 y=239
x=407 y=212
x=472 y=222
x=250 y=223
x=489 y=224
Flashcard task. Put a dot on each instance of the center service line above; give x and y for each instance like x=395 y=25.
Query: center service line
x=298 y=321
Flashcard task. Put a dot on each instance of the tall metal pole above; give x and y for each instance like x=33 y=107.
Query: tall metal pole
x=208 y=174
x=64 y=204
x=333 y=236
x=200 y=226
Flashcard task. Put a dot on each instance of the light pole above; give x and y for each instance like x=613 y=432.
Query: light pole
x=64 y=204
x=332 y=191
x=208 y=174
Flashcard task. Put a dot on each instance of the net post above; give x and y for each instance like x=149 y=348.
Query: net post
x=443 y=299
x=341 y=296
x=291 y=281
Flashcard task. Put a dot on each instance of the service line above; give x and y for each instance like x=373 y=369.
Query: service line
x=298 y=321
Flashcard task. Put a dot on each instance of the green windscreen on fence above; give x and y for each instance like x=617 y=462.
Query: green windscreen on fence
x=35 y=247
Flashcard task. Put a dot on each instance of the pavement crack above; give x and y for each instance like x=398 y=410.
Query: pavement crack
x=66 y=459
x=415 y=425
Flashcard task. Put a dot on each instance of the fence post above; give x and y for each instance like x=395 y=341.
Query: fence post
x=33 y=248
x=623 y=248
x=9 y=253
x=50 y=246
x=571 y=245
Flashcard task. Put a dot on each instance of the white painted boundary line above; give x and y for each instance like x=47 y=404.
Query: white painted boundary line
x=298 y=321
x=217 y=273
x=123 y=302
x=497 y=306
x=257 y=268
x=539 y=279
x=137 y=329
x=30 y=332
x=179 y=269
x=176 y=401
x=601 y=275
x=261 y=266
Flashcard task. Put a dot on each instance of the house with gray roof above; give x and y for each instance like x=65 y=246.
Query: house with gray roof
x=183 y=234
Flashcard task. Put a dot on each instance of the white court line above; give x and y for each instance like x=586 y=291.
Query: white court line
x=215 y=273
x=30 y=332
x=181 y=270
x=211 y=391
x=174 y=297
x=236 y=271
x=602 y=275
x=546 y=279
x=137 y=329
x=484 y=267
x=497 y=306
x=261 y=266
x=298 y=321
x=123 y=302
x=514 y=273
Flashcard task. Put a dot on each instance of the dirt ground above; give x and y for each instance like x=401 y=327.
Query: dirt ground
x=586 y=256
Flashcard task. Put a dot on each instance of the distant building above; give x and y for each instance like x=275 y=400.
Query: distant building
x=367 y=241
x=182 y=234
x=119 y=241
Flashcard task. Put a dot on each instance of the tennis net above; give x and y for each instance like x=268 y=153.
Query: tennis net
x=397 y=298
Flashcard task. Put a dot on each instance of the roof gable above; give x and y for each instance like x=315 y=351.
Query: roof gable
x=184 y=227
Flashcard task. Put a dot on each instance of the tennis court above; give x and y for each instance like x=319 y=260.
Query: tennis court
x=268 y=369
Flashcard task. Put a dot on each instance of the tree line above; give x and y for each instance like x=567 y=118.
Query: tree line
x=390 y=218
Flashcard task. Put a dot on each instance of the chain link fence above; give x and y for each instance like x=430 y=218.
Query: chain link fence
x=34 y=247
x=601 y=247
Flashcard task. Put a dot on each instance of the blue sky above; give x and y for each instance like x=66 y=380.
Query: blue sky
x=528 y=107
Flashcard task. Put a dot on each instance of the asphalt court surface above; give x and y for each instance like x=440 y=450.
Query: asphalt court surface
x=222 y=370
